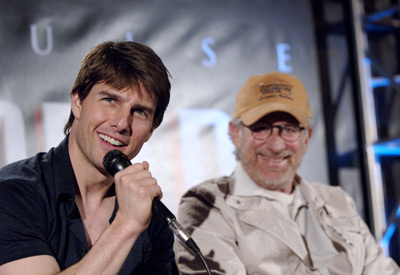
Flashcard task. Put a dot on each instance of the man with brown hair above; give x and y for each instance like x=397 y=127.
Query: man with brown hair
x=265 y=218
x=61 y=210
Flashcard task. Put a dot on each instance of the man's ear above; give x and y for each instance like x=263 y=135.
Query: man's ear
x=309 y=134
x=234 y=133
x=76 y=106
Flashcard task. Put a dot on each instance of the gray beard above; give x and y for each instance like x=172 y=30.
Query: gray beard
x=286 y=180
x=272 y=184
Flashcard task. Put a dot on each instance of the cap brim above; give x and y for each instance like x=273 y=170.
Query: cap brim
x=251 y=116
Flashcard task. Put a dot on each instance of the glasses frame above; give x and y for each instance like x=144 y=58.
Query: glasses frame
x=280 y=130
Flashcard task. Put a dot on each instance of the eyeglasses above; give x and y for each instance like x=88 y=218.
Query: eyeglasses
x=288 y=132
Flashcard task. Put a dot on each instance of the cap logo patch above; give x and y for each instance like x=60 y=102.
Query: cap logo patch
x=275 y=90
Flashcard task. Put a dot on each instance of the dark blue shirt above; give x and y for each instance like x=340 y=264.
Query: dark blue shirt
x=39 y=216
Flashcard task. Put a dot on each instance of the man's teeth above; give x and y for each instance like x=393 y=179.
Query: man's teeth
x=275 y=160
x=111 y=140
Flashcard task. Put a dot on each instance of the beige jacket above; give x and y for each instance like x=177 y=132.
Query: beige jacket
x=248 y=235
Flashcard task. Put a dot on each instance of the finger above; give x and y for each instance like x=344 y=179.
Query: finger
x=160 y=194
x=132 y=169
x=156 y=191
x=145 y=165
x=142 y=178
x=137 y=174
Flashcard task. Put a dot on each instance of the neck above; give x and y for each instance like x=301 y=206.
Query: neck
x=284 y=188
x=91 y=181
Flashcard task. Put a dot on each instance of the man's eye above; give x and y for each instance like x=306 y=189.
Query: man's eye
x=290 y=129
x=140 y=112
x=109 y=99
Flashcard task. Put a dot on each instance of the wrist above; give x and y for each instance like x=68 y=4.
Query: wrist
x=127 y=228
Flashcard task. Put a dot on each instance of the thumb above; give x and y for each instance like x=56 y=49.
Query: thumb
x=145 y=165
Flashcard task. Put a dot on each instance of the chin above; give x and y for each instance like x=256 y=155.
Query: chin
x=281 y=180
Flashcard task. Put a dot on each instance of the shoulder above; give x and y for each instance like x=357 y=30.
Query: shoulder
x=29 y=171
x=197 y=203
x=38 y=173
x=25 y=186
x=333 y=196
x=22 y=169
x=210 y=191
x=22 y=183
x=22 y=175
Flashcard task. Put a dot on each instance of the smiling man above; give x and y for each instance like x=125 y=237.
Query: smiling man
x=265 y=218
x=61 y=211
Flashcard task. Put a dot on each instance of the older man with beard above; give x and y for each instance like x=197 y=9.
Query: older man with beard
x=265 y=218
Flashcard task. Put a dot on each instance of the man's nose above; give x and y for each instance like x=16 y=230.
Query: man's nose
x=274 y=142
x=122 y=120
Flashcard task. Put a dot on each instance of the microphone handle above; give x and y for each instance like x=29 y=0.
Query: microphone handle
x=159 y=209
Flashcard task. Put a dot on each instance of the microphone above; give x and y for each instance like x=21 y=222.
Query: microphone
x=115 y=161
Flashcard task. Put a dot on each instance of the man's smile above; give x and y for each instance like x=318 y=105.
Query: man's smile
x=111 y=140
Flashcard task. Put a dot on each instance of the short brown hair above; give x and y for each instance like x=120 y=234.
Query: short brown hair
x=122 y=65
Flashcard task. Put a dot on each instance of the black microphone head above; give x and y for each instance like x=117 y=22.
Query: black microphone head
x=115 y=161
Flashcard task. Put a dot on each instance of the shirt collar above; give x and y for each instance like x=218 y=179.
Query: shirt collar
x=63 y=173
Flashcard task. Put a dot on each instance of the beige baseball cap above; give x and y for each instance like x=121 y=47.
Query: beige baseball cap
x=272 y=92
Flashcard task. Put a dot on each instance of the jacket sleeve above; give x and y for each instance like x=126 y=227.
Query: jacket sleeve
x=375 y=261
x=370 y=259
x=200 y=214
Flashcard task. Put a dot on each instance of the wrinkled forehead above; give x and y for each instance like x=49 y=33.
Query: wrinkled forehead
x=275 y=117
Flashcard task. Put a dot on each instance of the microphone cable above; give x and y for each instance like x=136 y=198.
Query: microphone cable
x=193 y=246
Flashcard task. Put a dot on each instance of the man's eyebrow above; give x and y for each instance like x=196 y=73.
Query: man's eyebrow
x=117 y=97
x=110 y=94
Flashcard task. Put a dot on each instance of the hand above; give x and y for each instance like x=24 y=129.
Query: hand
x=136 y=188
